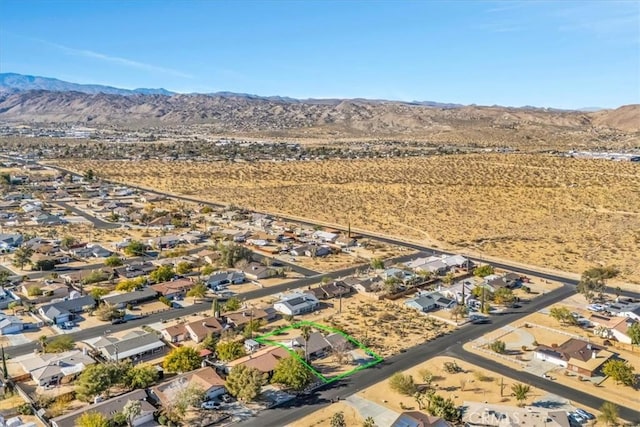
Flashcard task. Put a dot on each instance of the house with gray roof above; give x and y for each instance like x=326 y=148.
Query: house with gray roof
x=297 y=303
x=120 y=300
x=109 y=408
x=135 y=345
x=221 y=279
x=64 y=311
x=55 y=368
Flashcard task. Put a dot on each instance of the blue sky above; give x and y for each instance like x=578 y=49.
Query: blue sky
x=560 y=54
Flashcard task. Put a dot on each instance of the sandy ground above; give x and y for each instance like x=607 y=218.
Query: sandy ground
x=322 y=417
x=8 y=406
x=546 y=330
x=560 y=213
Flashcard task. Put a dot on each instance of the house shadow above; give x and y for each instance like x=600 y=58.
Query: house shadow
x=548 y=404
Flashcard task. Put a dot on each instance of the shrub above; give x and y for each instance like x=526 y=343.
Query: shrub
x=24 y=409
x=403 y=384
x=165 y=301
x=498 y=346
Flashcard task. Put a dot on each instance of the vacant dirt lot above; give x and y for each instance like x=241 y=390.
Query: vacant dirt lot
x=560 y=213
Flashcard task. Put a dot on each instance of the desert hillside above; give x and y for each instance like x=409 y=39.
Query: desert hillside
x=563 y=213
x=268 y=117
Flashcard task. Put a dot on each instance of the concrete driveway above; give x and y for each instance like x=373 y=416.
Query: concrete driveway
x=381 y=415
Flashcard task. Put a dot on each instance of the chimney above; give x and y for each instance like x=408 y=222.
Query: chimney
x=594 y=354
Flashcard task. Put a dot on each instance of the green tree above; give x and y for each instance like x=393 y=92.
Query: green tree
x=130 y=285
x=135 y=248
x=498 y=346
x=620 y=371
x=245 y=382
x=209 y=343
x=608 y=414
x=98 y=293
x=207 y=269
x=4 y=278
x=190 y=396
x=232 y=253
x=230 y=350
x=337 y=420
x=12 y=306
x=97 y=379
x=521 y=392
x=182 y=359
x=34 y=291
x=446 y=409
x=251 y=327
x=164 y=273
x=232 y=304
x=198 y=291
x=504 y=296
x=113 y=261
x=60 y=344
x=42 y=340
x=634 y=333
x=107 y=312
x=292 y=373
x=377 y=264
x=95 y=277
x=483 y=270
x=44 y=265
x=403 y=384
x=183 y=267
x=22 y=256
x=89 y=175
x=131 y=410
x=92 y=419
x=563 y=315
x=67 y=242
x=141 y=376
x=593 y=281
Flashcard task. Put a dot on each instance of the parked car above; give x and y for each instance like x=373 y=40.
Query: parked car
x=118 y=321
x=585 y=414
x=210 y=405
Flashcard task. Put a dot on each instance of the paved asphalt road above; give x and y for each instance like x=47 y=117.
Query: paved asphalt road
x=451 y=343
x=196 y=308
x=97 y=223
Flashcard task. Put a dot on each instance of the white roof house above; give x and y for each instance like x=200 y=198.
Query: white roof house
x=297 y=303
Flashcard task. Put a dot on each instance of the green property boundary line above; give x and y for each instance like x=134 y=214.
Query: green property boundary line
x=264 y=339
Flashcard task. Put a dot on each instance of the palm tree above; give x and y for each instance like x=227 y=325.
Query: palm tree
x=305 y=331
x=521 y=392
x=608 y=414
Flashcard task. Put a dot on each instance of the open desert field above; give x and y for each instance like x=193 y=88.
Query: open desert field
x=558 y=213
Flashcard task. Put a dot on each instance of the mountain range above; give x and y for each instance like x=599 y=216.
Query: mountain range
x=40 y=99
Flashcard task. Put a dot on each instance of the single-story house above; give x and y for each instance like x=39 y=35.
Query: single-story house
x=331 y=290
x=265 y=359
x=612 y=327
x=10 y=240
x=198 y=330
x=208 y=256
x=63 y=311
x=134 y=345
x=10 y=325
x=174 y=334
x=436 y=266
x=174 y=288
x=493 y=282
x=576 y=355
x=364 y=286
x=425 y=301
x=255 y=271
x=310 y=251
x=109 y=408
x=217 y=280
x=457 y=261
x=207 y=378
x=238 y=319
x=319 y=344
x=91 y=251
x=48 y=290
x=120 y=300
x=324 y=236
x=6 y=298
x=297 y=303
x=56 y=368
x=134 y=270
x=164 y=242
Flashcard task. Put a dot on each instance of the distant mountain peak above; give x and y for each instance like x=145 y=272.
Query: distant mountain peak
x=13 y=82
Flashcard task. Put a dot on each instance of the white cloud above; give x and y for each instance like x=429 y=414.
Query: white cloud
x=117 y=60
